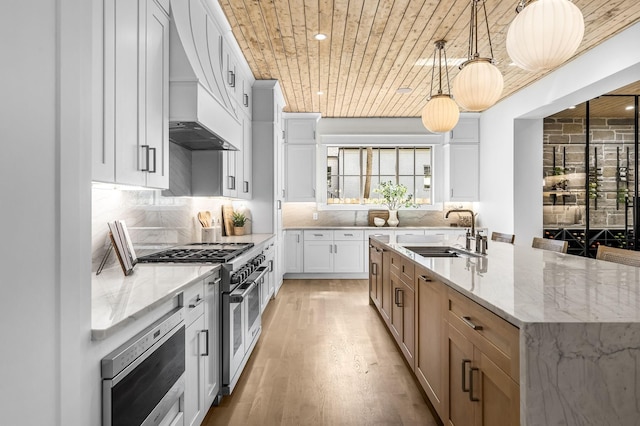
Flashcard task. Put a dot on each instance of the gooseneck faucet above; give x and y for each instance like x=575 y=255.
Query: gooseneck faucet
x=473 y=218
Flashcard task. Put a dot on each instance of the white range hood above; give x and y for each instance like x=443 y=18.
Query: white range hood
x=201 y=113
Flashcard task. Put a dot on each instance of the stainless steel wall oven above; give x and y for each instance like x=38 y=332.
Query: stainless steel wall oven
x=143 y=380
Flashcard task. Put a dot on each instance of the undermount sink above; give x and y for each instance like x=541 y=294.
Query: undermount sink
x=439 y=251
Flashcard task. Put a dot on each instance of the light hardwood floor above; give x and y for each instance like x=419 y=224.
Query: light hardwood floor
x=324 y=358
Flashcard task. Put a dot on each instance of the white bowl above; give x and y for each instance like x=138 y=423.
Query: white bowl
x=378 y=221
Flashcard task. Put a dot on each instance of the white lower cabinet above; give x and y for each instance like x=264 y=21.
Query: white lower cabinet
x=195 y=348
x=202 y=351
x=293 y=251
x=336 y=251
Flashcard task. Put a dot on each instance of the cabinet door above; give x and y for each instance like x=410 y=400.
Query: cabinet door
x=396 y=314
x=467 y=130
x=407 y=301
x=460 y=409
x=154 y=93
x=318 y=256
x=194 y=409
x=301 y=130
x=246 y=188
x=212 y=322
x=130 y=157
x=293 y=252
x=497 y=394
x=229 y=173
x=375 y=274
x=348 y=256
x=463 y=171
x=387 y=288
x=431 y=335
x=300 y=172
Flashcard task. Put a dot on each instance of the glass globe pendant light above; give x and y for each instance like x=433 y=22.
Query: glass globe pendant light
x=441 y=113
x=479 y=83
x=544 y=33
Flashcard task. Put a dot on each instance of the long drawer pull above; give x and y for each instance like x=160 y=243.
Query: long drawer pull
x=467 y=320
x=206 y=345
x=471 y=397
x=374 y=269
x=198 y=301
x=401 y=304
x=396 y=296
x=464 y=374
x=426 y=278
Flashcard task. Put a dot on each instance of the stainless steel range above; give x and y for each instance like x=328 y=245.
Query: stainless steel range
x=241 y=316
x=198 y=253
x=243 y=268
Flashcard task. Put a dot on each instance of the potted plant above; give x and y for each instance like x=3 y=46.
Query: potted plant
x=394 y=196
x=239 y=220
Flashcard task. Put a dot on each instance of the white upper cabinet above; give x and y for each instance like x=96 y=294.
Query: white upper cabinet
x=134 y=148
x=461 y=178
x=467 y=130
x=300 y=156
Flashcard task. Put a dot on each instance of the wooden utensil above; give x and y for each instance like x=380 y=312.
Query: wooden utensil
x=227 y=212
x=202 y=219
x=207 y=218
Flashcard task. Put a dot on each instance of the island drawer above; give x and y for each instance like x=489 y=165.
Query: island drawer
x=494 y=336
x=403 y=268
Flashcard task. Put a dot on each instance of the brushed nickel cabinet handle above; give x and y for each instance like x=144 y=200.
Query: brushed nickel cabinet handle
x=467 y=320
x=206 y=345
x=425 y=278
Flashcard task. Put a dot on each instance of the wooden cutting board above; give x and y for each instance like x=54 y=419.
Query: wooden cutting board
x=227 y=213
x=384 y=214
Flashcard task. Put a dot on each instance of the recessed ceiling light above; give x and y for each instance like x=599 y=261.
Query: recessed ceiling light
x=629 y=108
x=572 y=107
x=428 y=62
x=320 y=36
x=319 y=92
x=402 y=90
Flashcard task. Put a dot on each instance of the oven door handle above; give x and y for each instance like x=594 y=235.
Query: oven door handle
x=238 y=298
x=262 y=272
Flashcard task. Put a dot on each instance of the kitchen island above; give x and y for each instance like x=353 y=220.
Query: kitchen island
x=578 y=324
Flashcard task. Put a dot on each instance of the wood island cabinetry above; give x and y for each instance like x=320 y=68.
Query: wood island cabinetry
x=465 y=357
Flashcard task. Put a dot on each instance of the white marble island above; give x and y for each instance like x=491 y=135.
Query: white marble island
x=579 y=322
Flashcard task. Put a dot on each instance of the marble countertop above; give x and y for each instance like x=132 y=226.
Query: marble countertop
x=388 y=228
x=525 y=285
x=117 y=300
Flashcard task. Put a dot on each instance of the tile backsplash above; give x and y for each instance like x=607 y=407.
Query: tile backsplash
x=151 y=218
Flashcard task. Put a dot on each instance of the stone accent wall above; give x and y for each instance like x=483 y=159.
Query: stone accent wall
x=611 y=140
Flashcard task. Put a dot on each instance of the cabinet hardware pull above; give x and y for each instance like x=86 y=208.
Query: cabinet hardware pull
x=232 y=79
x=464 y=374
x=471 y=397
x=426 y=278
x=374 y=268
x=271 y=266
x=146 y=156
x=330 y=248
x=298 y=238
x=245 y=186
x=279 y=204
x=154 y=160
x=246 y=100
x=198 y=301
x=403 y=269
x=206 y=346
x=216 y=281
x=396 y=296
x=348 y=235
x=467 y=320
x=335 y=248
x=231 y=182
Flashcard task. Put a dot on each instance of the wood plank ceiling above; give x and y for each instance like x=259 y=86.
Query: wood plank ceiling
x=373 y=46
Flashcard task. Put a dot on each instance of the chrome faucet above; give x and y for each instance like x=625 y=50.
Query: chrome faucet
x=473 y=218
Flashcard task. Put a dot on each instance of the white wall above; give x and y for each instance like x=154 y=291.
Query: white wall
x=45 y=166
x=610 y=65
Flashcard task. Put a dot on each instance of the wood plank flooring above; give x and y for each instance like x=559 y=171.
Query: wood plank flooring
x=324 y=358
